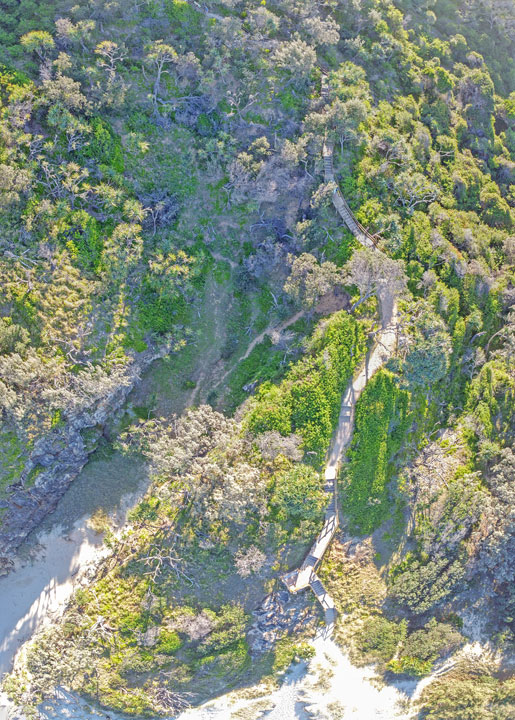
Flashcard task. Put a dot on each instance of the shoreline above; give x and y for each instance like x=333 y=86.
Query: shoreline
x=57 y=559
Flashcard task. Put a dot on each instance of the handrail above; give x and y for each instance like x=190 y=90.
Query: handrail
x=305 y=576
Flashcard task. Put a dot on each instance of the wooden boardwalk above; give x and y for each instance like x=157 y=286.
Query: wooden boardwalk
x=339 y=202
x=306 y=576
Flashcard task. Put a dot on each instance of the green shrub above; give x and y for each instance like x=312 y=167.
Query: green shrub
x=185 y=20
x=84 y=240
x=298 y=494
x=407 y=665
x=159 y=314
x=229 y=630
x=169 y=642
x=286 y=652
x=307 y=401
x=431 y=642
x=380 y=423
x=379 y=638
x=263 y=364
x=104 y=145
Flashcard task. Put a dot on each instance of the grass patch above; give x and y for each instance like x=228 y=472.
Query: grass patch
x=263 y=363
x=13 y=456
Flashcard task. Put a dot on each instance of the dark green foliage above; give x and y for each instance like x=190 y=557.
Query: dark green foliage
x=13 y=456
x=433 y=641
x=420 y=584
x=104 y=146
x=227 y=632
x=423 y=647
x=84 y=240
x=18 y=17
x=379 y=638
x=157 y=314
x=298 y=495
x=381 y=421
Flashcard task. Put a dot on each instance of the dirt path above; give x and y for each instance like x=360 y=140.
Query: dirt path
x=218 y=256
x=271 y=329
x=210 y=354
x=259 y=338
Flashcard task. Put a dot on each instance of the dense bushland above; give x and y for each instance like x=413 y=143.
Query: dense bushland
x=307 y=401
x=150 y=153
x=381 y=420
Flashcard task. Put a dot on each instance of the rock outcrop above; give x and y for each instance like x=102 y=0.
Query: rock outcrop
x=279 y=614
x=60 y=456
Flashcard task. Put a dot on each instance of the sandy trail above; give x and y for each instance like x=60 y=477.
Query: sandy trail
x=39 y=587
x=36 y=590
x=309 y=691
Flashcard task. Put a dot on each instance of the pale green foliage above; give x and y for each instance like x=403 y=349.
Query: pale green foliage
x=309 y=280
x=296 y=59
x=468 y=693
x=372 y=272
x=200 y=460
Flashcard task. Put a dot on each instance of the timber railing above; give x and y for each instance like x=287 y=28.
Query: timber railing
x=305 y=576
x=339 y=202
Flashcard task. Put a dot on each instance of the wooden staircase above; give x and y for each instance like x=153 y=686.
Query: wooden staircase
x=339 y=202
x=305 y=576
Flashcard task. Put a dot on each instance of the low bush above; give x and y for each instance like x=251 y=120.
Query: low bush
x=379 y=638
x=381 y=421
x=298 y=495
x=307 y=401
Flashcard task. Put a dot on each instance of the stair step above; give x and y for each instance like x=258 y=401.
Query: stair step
x=318 y=587
x=330 y=616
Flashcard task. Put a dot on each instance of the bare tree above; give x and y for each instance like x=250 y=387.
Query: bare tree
x=159 y=56
x=249 y=560
x=110 y=54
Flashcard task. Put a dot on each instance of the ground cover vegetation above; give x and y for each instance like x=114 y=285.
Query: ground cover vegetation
x=158 y=158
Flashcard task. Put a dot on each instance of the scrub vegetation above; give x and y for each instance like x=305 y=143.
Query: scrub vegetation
x=162 y=194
